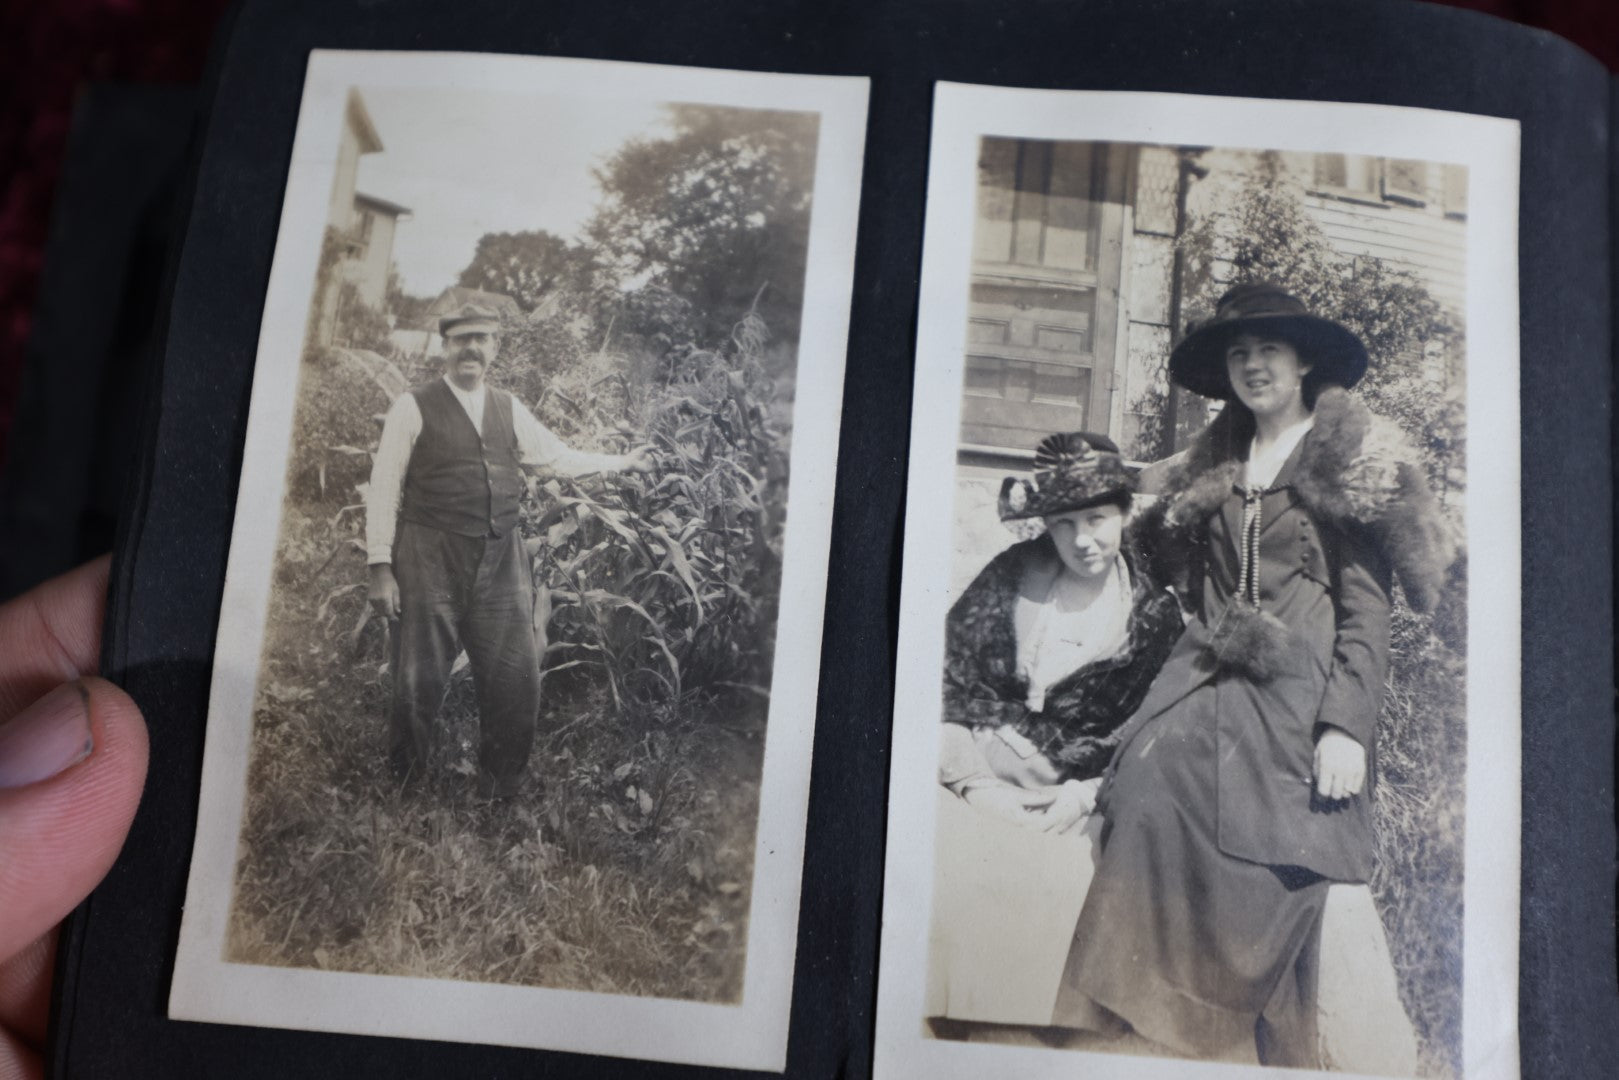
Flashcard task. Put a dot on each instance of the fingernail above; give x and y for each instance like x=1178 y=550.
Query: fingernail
x=47 y=737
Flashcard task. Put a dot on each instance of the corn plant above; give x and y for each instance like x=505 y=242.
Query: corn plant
x=667 y=583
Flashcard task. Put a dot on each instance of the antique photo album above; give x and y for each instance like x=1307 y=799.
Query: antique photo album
x=925 y=540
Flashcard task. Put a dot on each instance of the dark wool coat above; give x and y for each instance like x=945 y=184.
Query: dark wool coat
x=1078 y=727
x=1349 y=513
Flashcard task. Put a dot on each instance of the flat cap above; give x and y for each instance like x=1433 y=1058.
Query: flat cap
x=470 y=318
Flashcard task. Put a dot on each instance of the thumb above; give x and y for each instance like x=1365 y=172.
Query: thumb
x=71 y=769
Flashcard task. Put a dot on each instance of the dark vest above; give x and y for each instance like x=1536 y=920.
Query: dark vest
x=457 y=482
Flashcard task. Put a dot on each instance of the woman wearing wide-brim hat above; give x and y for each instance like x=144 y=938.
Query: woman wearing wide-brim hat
x=1048 y=651
x=1241 y=789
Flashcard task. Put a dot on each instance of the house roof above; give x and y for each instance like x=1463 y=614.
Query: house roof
x=362 y=199
x=360 y=120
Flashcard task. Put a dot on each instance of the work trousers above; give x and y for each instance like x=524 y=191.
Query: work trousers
x=472 y=593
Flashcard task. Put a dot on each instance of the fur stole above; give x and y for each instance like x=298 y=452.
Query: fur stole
x=1356 y=471
x=1077 y=729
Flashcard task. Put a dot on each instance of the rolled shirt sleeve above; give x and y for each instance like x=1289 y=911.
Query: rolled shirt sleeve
x=400 y=429
x=539 y=447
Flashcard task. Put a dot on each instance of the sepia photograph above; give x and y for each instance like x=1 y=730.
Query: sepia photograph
x=515 y=683
x=1188 y=703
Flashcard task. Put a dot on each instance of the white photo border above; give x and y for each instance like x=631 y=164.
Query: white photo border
x=1489 y=147
x=751 y=1034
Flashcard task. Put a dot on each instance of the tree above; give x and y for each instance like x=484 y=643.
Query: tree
x=529 y=267
x=408 y=311
x=717 y=213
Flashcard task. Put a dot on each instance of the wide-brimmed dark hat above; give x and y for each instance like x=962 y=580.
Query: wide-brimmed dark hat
x=1071 y=471
x=1337 y=355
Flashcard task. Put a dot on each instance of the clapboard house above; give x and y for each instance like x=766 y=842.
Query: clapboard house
x=1077 y=285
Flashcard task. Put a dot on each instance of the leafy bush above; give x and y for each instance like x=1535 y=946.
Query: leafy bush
x=359 y=325
x=342 y=399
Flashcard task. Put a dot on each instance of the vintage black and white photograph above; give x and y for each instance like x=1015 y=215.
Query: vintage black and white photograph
x=1188 y=705
x=510 y=730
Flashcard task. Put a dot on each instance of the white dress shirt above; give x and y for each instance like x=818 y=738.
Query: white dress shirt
x=537 y=446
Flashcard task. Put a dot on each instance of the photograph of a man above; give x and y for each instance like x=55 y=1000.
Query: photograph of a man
x=447 y=564
x=518 y=654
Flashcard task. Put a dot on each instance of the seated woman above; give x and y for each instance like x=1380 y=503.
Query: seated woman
x=1049 y=650
x=1241 y=788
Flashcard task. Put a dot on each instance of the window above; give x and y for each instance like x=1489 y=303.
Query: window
x=1043 y=305
x=1453 y=189
x=1405 y=181
x=1037 y=203
x=1349 y=174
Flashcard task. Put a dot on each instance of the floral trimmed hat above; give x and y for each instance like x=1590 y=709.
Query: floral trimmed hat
x=1338 y=357
x=1072 y=470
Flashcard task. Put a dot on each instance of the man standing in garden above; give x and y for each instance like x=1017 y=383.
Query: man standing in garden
x=446 y=559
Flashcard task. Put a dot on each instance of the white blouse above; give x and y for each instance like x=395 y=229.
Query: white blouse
x=1061 y=633
x=1055 y=637
x=1263 y=465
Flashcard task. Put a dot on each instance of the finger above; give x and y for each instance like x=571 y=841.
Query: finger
x=23 y=1008
x=19 y=1060
x=51 y=634
x=59 y=832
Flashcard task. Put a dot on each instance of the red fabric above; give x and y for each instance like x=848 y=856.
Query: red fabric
x=1593 y=25
x=49 y=48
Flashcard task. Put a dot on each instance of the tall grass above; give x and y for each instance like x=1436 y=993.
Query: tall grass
x=625 y=868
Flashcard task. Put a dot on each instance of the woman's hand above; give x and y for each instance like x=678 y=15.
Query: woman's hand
x=1072 y=802
x=72 y=761
x=1008 y=801
x=1340 y=765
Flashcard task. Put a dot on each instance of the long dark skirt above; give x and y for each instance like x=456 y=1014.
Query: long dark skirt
x=1204 y=953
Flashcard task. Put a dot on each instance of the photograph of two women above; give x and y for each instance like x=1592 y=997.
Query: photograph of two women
x=1202 y=733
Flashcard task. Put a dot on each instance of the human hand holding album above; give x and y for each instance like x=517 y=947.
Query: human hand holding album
x=72 y=763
